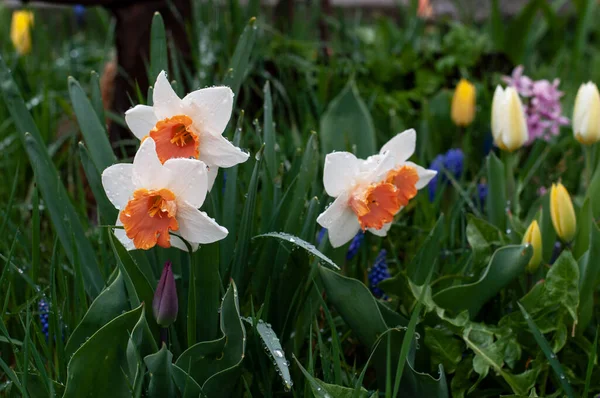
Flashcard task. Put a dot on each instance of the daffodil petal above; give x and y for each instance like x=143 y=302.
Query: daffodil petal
x=140 y=120
x=381 y=232
x=402 y=146
x=425 y=175
x=189 y=180
x=118 y=184
x=178 y=243
x=212 y=107
x=197 y=226
x=340 y=221
x=122 y=236
x=339 y=171
x=212 y=173
x=219 y=151
x=166 y=103
x=148 y=172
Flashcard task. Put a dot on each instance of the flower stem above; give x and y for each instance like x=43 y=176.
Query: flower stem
x=191 y=315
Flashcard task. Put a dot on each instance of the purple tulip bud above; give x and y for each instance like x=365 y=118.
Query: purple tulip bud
x=165 y=304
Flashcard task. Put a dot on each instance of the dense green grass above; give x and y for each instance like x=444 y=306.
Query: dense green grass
x=461 y=316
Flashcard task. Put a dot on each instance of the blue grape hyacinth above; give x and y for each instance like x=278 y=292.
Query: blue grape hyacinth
x=44 y=310
x=378 y=273
x=453 y=162
x=355 y=245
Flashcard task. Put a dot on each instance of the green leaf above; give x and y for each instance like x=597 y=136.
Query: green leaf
x=505 y=265
x=320 y=389
x=159 y=58
x=585 y=22
x=212 y=364
x=347 y=123
x=550 y=356
x=357 y=306
x=186 y=385
x=588 y=275
x=110 y=303
x=310 y=248
x=584 y=225
x=593 y=192
x=96 y=96
x=481 y=236
x=273 y=349
x=269 y=132
x=108 y=212
x=496 y=198
x=427 y=256
x=62 y=213
x=161 y=376
x=445 y=348
x=241 y=57
x=518 y=32
x=92 y=128
x=97 y=367
x=547 y=230
x=497 y=26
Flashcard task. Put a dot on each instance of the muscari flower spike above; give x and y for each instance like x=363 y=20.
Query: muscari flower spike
x=379 y=272
x=355 y=245
x=44 y=310
x=453 y=162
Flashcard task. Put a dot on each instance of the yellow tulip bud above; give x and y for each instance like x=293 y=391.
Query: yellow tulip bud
x=20 y=31
x=586 y=114
x=463 y=103
x=509 y=127
x=534 y=238
x=562 y=212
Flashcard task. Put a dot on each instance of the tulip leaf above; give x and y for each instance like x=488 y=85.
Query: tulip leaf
x=506 y=264
x=588 y=274
x=593 y=192
x=110 y=303
x=584 y=225
x=481 y=236
x=186 y=385
x=159 y=58
x=274 y=349
x=310 y=248
x=547 y=229
x=212 y=364
x=426 y=258
x=92 y=128
x=320 y=389
x=96 y=96
x=161 y=376
x=108 y=213
x=347 y=123
x=496 y=198
x=97 y=367
x=238 y=68
x=357 y=306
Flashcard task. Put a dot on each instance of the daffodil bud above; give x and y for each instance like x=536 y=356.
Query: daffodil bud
x=562 y=212
x=20 y=34
x=534 y=238
x=463 y=103
x=586 y=115
x=165 y=305
x=509 y=126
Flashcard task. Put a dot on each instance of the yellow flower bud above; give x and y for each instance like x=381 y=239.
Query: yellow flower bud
x=534 y=238
x=20 y=31
x=463 y=103
x=509 y=127
x=562 y=212
x=586 y=114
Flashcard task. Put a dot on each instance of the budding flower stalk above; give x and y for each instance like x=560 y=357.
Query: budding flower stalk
x=165 y=305
x=533 y=237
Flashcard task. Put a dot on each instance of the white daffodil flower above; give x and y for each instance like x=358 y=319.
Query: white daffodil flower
x=154 y=199
x=509 y=126
x=369 y=193
x=191 y=127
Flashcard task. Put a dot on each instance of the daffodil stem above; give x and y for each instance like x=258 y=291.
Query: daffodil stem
x=191 y=316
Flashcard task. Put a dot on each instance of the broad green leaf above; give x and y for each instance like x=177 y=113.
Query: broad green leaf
x=446 y=349
x=496 y=198
x=320 y=389
x=588 y=275
x=584 y=225
x=211 y=363
x=160 y=372
x=140 y=345
x=347 y=123
x=310 y=248
x=482 y=236
x=92 y=129
x=273 y=349
x=159 y=58
x=97 y=367
x=186 y=385
x=505 y=265
x=427 y=256
x=547 y=230
x=96 y=96
x=593 y=192
x=108 y=212
x=357 y=306
x=110 y=303
x=238 y=68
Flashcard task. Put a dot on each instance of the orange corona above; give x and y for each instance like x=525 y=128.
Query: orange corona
x=175 y=139
x=149 y=216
